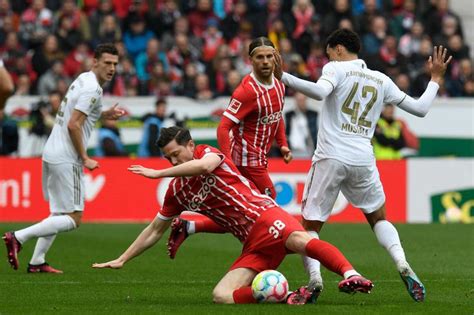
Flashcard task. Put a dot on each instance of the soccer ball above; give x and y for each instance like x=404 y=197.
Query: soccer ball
x=269 y=286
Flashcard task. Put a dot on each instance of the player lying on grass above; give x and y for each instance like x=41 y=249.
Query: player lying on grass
x=207 y=182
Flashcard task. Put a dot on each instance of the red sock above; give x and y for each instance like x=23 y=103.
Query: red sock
x=205 y=224
x=243 y=296
x=328 y=255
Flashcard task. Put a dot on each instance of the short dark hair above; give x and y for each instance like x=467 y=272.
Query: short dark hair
x=180 y=134
x=346 y=38
x=108 y=48
x=259 y=41
x=160 y=101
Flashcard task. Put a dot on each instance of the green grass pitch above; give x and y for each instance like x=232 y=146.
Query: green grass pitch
x=442 y=256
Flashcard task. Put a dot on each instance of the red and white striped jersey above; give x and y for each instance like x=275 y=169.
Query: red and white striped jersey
x=257 y=110
x=225 y=196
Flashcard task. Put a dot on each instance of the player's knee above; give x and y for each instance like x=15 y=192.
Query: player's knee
x=221 y=296
x=77 y=217
x=297 y=241
x=312 y=225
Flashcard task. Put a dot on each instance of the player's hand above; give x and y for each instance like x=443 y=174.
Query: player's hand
x=146 y=172
x=113 y=264
x=438 y=63
x=286 y=152
x=91 y=164
x=277 y=69
x=113 y=113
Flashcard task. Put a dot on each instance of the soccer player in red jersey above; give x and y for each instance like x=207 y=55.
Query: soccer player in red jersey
x=253 y=119
x=251 y=123
x=207 y=182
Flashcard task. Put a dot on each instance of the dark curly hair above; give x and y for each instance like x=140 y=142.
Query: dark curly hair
x=108 y=48
x=346 y=38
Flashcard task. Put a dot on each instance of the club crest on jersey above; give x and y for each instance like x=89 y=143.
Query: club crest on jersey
x=234 y=106
x=270 y=119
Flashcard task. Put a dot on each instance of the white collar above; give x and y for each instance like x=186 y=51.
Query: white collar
x=265 y=86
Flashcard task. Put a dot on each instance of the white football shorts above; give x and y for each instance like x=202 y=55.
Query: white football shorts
x=63 y=187
x=360 y=185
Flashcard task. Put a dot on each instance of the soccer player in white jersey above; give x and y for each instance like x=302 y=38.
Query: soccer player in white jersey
x=64 y=157
x=6 y=85
x=344 y=159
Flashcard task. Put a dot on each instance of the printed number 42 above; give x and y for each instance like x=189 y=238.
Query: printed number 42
x=354 y=111
x=276 y=228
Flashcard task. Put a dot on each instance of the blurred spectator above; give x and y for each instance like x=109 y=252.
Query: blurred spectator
x=162 y=20
x=137 y=37
x=457 y=48
x=125 y=82
x=456 y=82
x=181 y=26
x=402 y=22
x=421 y=80
x=180 y=55
x=74 y=60
x=97 y=17
x=312 y=34
x=391 y=136
x=218 y=74
x=389 y=60
x=23 y=85
x=109 y=31
x=152 y=123
x=403 y=82
x=370 y=10
x=42 y=117
x=146 y=61
x=67 y=35
x=448 y=29
x=277 y=33
x=45 y=55
x=435 y=16
x=200 y=16
x=109 y=143
x=417 y=59
x=303 y=12
x=50 y=80
x=11 y=50
x=8 y=135
x=239 y=42
x=36 y=23
x=9 y=20
x=316 y=61
x=342 y=10
x=410 y=42
x=233 y=22
x=301 y=128
x=374 y=38
x=78 y=19
x=203 y=91
x=232 y=81
x=212 y=38
x=468 y=90
x=186 y=85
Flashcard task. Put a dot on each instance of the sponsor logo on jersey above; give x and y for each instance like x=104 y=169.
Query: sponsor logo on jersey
x=207 y=183
x=234 y=106
x=270 y=119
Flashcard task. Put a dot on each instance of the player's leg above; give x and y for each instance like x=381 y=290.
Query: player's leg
x=365 y=191
x=235 y=287
x=321 y=190
x=304 y=244
x=6 y=85
x=259 y=176
x=181 y=229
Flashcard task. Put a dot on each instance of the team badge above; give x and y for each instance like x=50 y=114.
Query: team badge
x=234 y=106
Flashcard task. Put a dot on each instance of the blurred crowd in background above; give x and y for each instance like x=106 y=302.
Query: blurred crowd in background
x=198 y=48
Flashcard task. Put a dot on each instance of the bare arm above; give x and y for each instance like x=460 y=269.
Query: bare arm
x=75 y=132
x=147 y=238
x=438 y=65
x=192 y=168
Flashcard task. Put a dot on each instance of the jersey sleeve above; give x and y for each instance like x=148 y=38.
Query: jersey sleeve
x=239 y=106
x=87 y=99
x=393 y=94
x=171 y=208
x=330 y=74
x=203 y=150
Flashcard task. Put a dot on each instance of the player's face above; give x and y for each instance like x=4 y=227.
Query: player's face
x=263 y=62
x=179 y=154
x=106 y=65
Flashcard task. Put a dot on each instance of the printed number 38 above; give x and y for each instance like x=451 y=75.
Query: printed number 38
x=276 y=228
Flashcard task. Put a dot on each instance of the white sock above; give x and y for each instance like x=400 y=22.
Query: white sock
x=388 y=237
x=42 y=246
x=191 y=227
x=350 y=273
x=50 y=226
x=312 y=266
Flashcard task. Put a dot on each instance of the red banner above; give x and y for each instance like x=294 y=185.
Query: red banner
x=115 y=195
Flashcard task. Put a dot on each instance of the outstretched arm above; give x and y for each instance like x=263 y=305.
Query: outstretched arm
x=205 y=165
x=318 y=90
x=147 y=238
x=437 y=65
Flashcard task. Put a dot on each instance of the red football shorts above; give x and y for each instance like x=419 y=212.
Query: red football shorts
x=260 y=177
x=264 y=247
